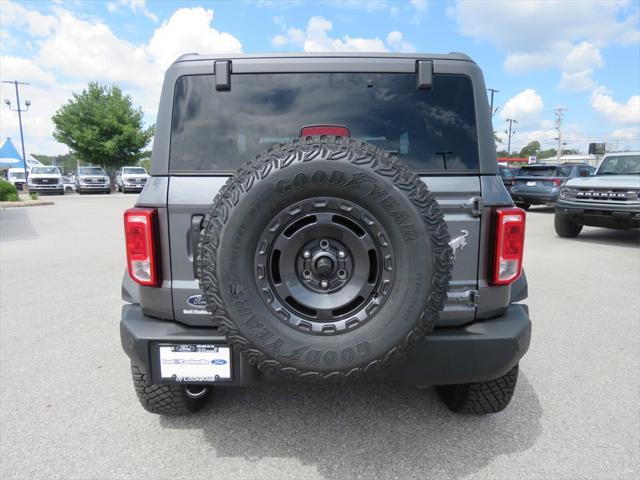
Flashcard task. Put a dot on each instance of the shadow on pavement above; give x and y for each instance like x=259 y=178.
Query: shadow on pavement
x=608 y=236
x=540 y=209
x=363 y=430
x=15 y=224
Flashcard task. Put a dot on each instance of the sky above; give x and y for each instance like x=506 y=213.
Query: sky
x=582 y=56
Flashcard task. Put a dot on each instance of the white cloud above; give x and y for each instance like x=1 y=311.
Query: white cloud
x=622 y=113
x=550 y=34
x=420 y=5
x=16 y=15
x=525 y=107
x=17 y=68
x=134 y=5
x=368 y=5
x=189 y=30
x=577 y=81
x=583 y=56
x=75 y=51
x=578 y=67
x=316 y=38
x=398 y=44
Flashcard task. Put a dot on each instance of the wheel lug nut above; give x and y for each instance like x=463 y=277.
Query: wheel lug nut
x=341 y=254
x=306 y=254
x=324 y=283
x=324 y=244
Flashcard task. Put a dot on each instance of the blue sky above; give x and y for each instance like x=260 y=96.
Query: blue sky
x=582 y=56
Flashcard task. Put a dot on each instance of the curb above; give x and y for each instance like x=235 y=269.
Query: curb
x=26 y=203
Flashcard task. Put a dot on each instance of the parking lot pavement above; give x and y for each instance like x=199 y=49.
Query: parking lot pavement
x=68 y=409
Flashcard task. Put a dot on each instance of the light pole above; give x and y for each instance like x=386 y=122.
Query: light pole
x=20 y=110
x=493 y=92
x=510 y=132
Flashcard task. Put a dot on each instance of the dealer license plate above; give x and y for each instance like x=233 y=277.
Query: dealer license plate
x=531 y=184
x=191 y=363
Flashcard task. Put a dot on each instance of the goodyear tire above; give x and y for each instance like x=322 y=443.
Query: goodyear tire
x=324 y=259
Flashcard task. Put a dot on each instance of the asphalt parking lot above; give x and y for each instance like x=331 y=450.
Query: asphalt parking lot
x=68 y=409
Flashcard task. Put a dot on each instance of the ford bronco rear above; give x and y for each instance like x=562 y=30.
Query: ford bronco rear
x=324 y=218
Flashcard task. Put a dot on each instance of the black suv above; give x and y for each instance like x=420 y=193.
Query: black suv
x=324 y=218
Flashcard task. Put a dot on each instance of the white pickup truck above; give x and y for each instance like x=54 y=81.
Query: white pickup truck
x=609 y=199
x=16 y=177
x=45 y=179
x=131 y=179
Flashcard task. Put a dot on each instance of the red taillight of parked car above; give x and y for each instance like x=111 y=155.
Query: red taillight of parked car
x=557 y=182
x=509 y=245
x=140 y=238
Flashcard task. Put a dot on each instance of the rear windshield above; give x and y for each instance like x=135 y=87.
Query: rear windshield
x=217 y=131
x=550 y=171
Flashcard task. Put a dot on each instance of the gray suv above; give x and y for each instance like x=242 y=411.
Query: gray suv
x=324 y=218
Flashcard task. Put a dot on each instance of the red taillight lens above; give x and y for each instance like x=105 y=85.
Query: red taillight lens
x=557 y=182
x=325 y=130
x=509 y=245
x=139 y=235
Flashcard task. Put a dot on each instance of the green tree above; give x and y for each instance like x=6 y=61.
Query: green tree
x=102 y=127
x=549 y=153
x=530 y=149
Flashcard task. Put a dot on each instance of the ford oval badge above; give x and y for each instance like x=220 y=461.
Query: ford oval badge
x=219 y=361
x=196 y=301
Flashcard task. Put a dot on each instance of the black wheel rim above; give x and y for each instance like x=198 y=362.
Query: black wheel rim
x=324 y=266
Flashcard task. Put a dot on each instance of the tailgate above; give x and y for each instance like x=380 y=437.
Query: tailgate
x=189 y=199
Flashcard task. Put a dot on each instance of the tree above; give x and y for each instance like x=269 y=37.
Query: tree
x=102 y=127
x=531 y=149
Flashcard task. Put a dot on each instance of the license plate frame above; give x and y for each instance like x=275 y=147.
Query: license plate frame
x=191 y=363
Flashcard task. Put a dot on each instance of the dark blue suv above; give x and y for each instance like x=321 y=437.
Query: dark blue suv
x=540 y=184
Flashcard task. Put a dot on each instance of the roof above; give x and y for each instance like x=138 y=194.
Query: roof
x=9 y=156
x=418 y=56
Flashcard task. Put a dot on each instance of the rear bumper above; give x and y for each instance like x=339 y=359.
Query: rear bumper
x=479 y=351
x=600 y=215
x=534 y=198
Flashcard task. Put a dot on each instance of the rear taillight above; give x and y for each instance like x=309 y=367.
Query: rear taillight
x=557 y=182
x=140 y=238
x=325 y=130
x=509 y=245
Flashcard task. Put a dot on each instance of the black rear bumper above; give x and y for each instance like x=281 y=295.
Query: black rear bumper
x=479 y=351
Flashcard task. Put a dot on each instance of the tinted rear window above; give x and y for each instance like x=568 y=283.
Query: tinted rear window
x=537 y=172
x=217 y=131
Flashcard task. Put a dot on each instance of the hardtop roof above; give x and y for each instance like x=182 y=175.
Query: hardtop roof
x=187 y=57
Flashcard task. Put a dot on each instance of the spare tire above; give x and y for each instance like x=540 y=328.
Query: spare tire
x=324 y=259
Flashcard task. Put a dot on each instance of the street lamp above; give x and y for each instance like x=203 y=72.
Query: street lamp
x=20 y=110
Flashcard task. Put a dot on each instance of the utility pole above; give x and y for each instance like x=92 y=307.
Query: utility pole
x=559 y=114
x=510 y=132
x=19 y=109
x=493 y=91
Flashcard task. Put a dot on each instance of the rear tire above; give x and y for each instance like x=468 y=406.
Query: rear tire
x=565 y=228
x=165 y=399
x=524 y=206
x=480 y=398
